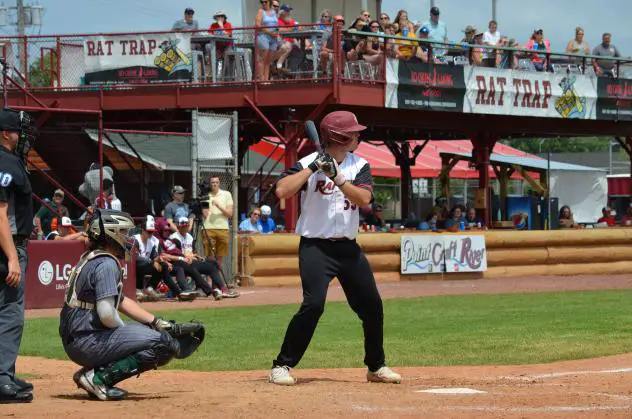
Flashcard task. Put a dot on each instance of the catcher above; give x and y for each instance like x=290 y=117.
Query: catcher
x=93 y=334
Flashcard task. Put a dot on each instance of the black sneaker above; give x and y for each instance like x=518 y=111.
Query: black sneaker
x=10 y=393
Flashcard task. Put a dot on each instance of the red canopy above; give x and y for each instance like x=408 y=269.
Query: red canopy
x=428 y=164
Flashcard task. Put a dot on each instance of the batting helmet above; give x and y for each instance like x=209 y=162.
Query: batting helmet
x=338 y=127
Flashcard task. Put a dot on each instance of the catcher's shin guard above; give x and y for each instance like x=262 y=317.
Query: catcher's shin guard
x=117 y=371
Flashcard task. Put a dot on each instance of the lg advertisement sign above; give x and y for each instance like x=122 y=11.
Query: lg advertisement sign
x=49 y=267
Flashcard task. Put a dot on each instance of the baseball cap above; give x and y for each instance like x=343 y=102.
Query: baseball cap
x=469 y=28
x=9 y=120
x=286 y=8
x=266 y=210
x=220 y=13
x=435 y=11
x=183 y=221
x=149 y=224
x=66 y=222
x=178 y=189
x=424 y=31
x=59 y=192
x=189 y=11
x=343 y=121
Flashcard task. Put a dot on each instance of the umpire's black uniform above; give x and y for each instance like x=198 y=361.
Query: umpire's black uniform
x=16 y=223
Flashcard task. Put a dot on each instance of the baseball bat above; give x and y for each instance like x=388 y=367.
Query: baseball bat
x=312 y=135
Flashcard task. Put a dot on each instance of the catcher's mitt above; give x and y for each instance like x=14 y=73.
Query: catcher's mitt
x=190 y=335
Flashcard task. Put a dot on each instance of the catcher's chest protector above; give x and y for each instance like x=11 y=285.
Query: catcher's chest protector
x=71 y=291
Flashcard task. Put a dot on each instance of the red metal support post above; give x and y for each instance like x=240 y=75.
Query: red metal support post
x=101 y=200
x=291 y=157
x=628 y=141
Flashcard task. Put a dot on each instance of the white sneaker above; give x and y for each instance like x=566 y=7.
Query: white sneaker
x=384 y=375
x=86 y=382
x=281 y=376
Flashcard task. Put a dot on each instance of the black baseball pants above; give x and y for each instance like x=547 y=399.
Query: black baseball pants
x=319 y=261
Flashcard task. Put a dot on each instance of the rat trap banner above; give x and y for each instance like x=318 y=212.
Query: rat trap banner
x=138 y=59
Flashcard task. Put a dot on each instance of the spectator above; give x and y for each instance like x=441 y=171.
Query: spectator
x=195 y=265
x=177 y=209
x=605 y=49
x=384 y=19
x=577 y=45
x=66 y=231
x=471 y=219
x=266 y=222
x=325 y=26
x=626 y=220
x=507 y=59
x=441 y=208
x=365 y=16
x=389 y=29
x=44 y=217
x=539 y=43
x=405 y=50
x=608 y=216
x=267 y=38
x=566 y=217
x=401 y=20
x=375 y=217
x=346 y=48
x=430 y=223
x=286 y=24
x=370 y=48
x=469 y=32
x=251 y=224
x=438 y=31
x=477 y=53
x=456 y=216
x=220 y=27
x=491 y=38
x=186 y=24
x=216 y=221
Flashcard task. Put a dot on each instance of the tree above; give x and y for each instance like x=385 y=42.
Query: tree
x=42 y=76
x=560 y=145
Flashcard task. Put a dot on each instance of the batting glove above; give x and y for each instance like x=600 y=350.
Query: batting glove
x=318 y=162
x=331 y=169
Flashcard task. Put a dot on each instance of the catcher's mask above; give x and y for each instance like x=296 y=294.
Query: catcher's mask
x=339 y=127
x=108 y=226
x=21 y=122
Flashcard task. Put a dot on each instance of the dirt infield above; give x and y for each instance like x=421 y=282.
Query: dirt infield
x=594 y=388
x=597 y=388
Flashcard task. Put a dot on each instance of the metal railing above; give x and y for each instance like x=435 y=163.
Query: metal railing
x=58 y=62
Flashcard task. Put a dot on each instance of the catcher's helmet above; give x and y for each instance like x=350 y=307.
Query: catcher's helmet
x=338 y=127
x=22 y=123
x=110 y=226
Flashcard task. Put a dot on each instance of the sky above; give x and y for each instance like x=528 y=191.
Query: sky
x=517 y=18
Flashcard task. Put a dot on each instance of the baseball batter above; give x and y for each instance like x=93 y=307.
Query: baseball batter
x=333 y=185
x=93 y=334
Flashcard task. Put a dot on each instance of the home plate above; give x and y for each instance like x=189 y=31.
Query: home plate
x=451 y=391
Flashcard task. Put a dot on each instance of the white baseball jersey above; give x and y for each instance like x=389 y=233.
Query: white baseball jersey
x=326 y=213
x=146 y=249
x=186 y=242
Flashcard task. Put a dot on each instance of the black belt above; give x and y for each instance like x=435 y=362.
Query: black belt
x=20 y=240
x=332 y=239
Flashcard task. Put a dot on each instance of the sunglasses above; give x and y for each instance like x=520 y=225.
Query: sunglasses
x=366 y=15
x=383 y=17
x=276 y=6
x=375 y=27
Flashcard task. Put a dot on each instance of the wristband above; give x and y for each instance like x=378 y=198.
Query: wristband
x=180 y=258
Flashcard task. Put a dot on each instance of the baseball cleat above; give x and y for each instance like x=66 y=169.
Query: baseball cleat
x=384 y=375
x=187 y=296
x=228 y=293
x=281 y=376
x=85 y=380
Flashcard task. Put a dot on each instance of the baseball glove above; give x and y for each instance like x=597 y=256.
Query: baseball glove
x=190 y=335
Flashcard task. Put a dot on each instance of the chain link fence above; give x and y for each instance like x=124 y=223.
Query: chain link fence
x=214 y=153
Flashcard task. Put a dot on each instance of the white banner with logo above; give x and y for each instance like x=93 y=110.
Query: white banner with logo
x=465 y=253
x=526 y=93
x=135 y=59
x=423 y=254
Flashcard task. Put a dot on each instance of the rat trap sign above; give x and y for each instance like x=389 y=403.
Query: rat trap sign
x=138 y=59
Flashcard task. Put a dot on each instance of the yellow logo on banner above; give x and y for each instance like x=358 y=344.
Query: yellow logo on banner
x=569 y=104
x=171 y=55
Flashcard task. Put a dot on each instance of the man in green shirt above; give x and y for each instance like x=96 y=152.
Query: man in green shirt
x=44 y=217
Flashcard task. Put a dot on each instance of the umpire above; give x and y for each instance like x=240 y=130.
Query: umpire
x=16 y=221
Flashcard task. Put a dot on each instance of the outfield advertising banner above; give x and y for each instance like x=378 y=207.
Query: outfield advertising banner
x=615 y=99
x=528 y=93
x=424 y=254
x=138 y=59
x=413 y=84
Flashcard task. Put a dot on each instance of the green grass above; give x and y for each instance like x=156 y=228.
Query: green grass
x=453 y=330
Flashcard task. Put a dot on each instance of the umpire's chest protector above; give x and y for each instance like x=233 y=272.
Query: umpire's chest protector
x=325 y=211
